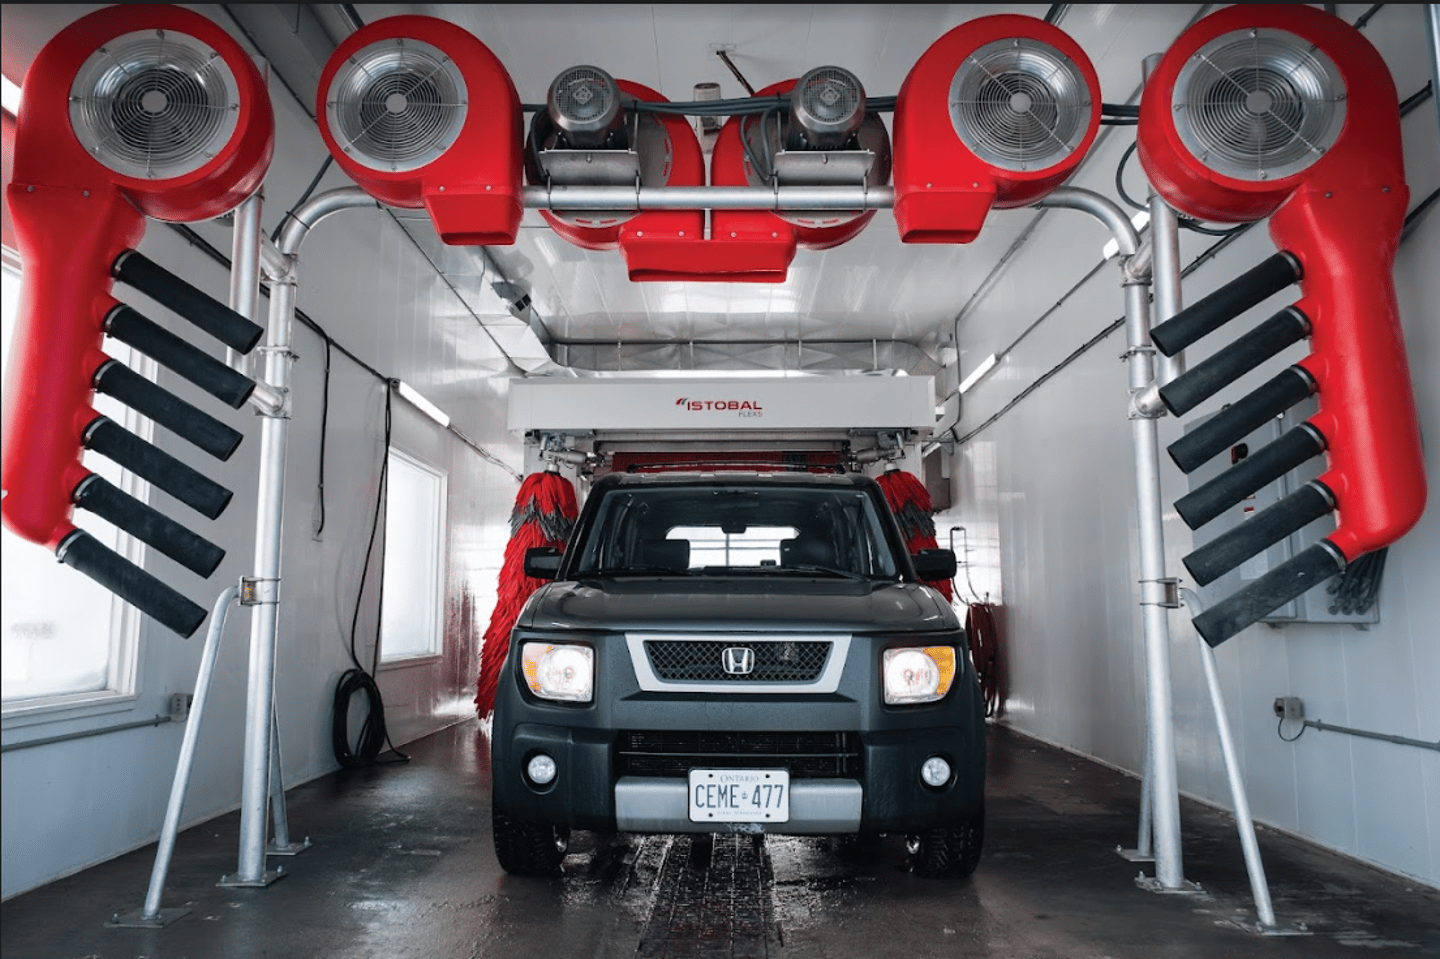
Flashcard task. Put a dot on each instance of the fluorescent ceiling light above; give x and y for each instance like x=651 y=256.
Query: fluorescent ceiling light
x=1139 y=220
x=9 y=96
x=422 y=404
x=978 y=374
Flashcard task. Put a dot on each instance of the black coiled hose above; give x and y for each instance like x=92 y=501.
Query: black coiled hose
x=372 y=732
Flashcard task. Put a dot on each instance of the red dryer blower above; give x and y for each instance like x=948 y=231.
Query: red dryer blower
x=1288 y=112
x=421 y=114
x=130 y=112
x=996 y=113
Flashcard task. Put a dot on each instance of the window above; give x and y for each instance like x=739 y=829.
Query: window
x=64 y=639
x=753 y=546
x=414 y=552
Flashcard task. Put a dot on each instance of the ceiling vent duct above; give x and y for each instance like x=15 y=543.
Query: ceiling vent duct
x=420 y=113
x=995 y=114
x=584 y=103
x=595 y=131
x=1288 y=112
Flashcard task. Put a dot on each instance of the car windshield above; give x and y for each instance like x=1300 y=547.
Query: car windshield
x=738 y=530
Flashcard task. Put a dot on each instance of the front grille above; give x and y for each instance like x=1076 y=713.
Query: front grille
x=674 y=752
x=776 y=661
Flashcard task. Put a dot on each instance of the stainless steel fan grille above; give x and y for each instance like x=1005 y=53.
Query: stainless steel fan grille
x=1259 y=104
x=154 y=104
x=396 y=105
x=1020 y=104
x=584 y=102
x=828 y=103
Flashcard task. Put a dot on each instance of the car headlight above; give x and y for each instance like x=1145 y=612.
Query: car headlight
x=559 y=671
x=918 y=674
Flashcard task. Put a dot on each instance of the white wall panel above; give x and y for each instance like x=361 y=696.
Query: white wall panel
x=1060 y=497
x=371 y=289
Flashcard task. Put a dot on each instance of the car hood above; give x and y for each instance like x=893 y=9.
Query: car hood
x=792 y=605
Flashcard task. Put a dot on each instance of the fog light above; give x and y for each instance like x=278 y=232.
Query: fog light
x=935 y=771
x=541 y=769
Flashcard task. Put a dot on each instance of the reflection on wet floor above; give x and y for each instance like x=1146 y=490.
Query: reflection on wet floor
x=403 y=866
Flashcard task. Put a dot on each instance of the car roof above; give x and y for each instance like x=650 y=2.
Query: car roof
x=734 y=478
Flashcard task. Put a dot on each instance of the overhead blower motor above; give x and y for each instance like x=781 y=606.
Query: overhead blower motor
x=595 y=131
x=818 y=133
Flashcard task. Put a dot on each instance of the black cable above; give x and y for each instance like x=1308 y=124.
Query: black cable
x=1130 y=201
x=324 y=422
x=373 y=733
x=1291 y=739
x=314 y=182
x=1120 y=109
x=1417 y=98
x=1365 y=17
x=1118 y=121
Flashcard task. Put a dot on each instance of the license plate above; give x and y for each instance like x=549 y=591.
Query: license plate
x=739 y=795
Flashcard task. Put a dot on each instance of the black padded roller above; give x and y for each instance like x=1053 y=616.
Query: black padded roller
x=1295 y=576
x=1265 y=528
x=147 y=524
x=214 y=377
x=1209 y=313
x=179 y=417
x=200 y=308
x=84 y=552
x=1205 y=379
x=1272 y=461
x=1240 y=418
x=149 y=462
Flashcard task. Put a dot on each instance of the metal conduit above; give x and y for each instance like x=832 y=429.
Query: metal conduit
x=264 y=588
x=1169 y=870
x=708 y=197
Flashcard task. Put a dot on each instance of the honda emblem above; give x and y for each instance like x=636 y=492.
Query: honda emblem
x=738 y=660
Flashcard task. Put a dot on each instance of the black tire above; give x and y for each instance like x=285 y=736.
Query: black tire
x=528 y=848
x=949 y=853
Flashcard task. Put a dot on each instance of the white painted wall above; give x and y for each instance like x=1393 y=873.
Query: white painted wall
x=70 y=805
x=1046 y=496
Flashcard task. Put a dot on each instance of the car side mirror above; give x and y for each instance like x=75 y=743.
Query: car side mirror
x=933 y=564
x=543 y=562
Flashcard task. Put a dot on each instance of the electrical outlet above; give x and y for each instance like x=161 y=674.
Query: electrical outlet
x=1290 y=708
x=180 y=706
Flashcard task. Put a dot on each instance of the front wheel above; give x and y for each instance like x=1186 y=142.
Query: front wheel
x=949 y=853
x=528 y=848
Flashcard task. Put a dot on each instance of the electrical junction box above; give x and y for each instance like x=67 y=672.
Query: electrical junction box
x=1310 y=607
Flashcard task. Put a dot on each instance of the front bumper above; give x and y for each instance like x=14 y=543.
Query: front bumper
x=877 y=788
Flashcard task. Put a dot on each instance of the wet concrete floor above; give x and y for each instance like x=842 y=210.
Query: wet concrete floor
x=402 y=866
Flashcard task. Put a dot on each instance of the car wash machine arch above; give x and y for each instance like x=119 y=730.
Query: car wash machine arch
x=996 y=114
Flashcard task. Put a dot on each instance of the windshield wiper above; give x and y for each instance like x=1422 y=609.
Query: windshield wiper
x=807 y=568
x=636 y=570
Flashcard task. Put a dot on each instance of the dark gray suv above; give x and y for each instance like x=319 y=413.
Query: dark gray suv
x=738 y=652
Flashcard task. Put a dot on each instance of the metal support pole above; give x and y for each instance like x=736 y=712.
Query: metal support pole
x=1259 y=888
x=245 y=270
x=1169 y=871
x=263 y=589
x=151 y=915
x=279 y=819
x=1165 y=264
x=263 y=593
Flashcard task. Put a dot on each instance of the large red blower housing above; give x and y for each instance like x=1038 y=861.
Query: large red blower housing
x=996 y=113
x=1288 y=110
x=129 y=112
x=420 y=113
